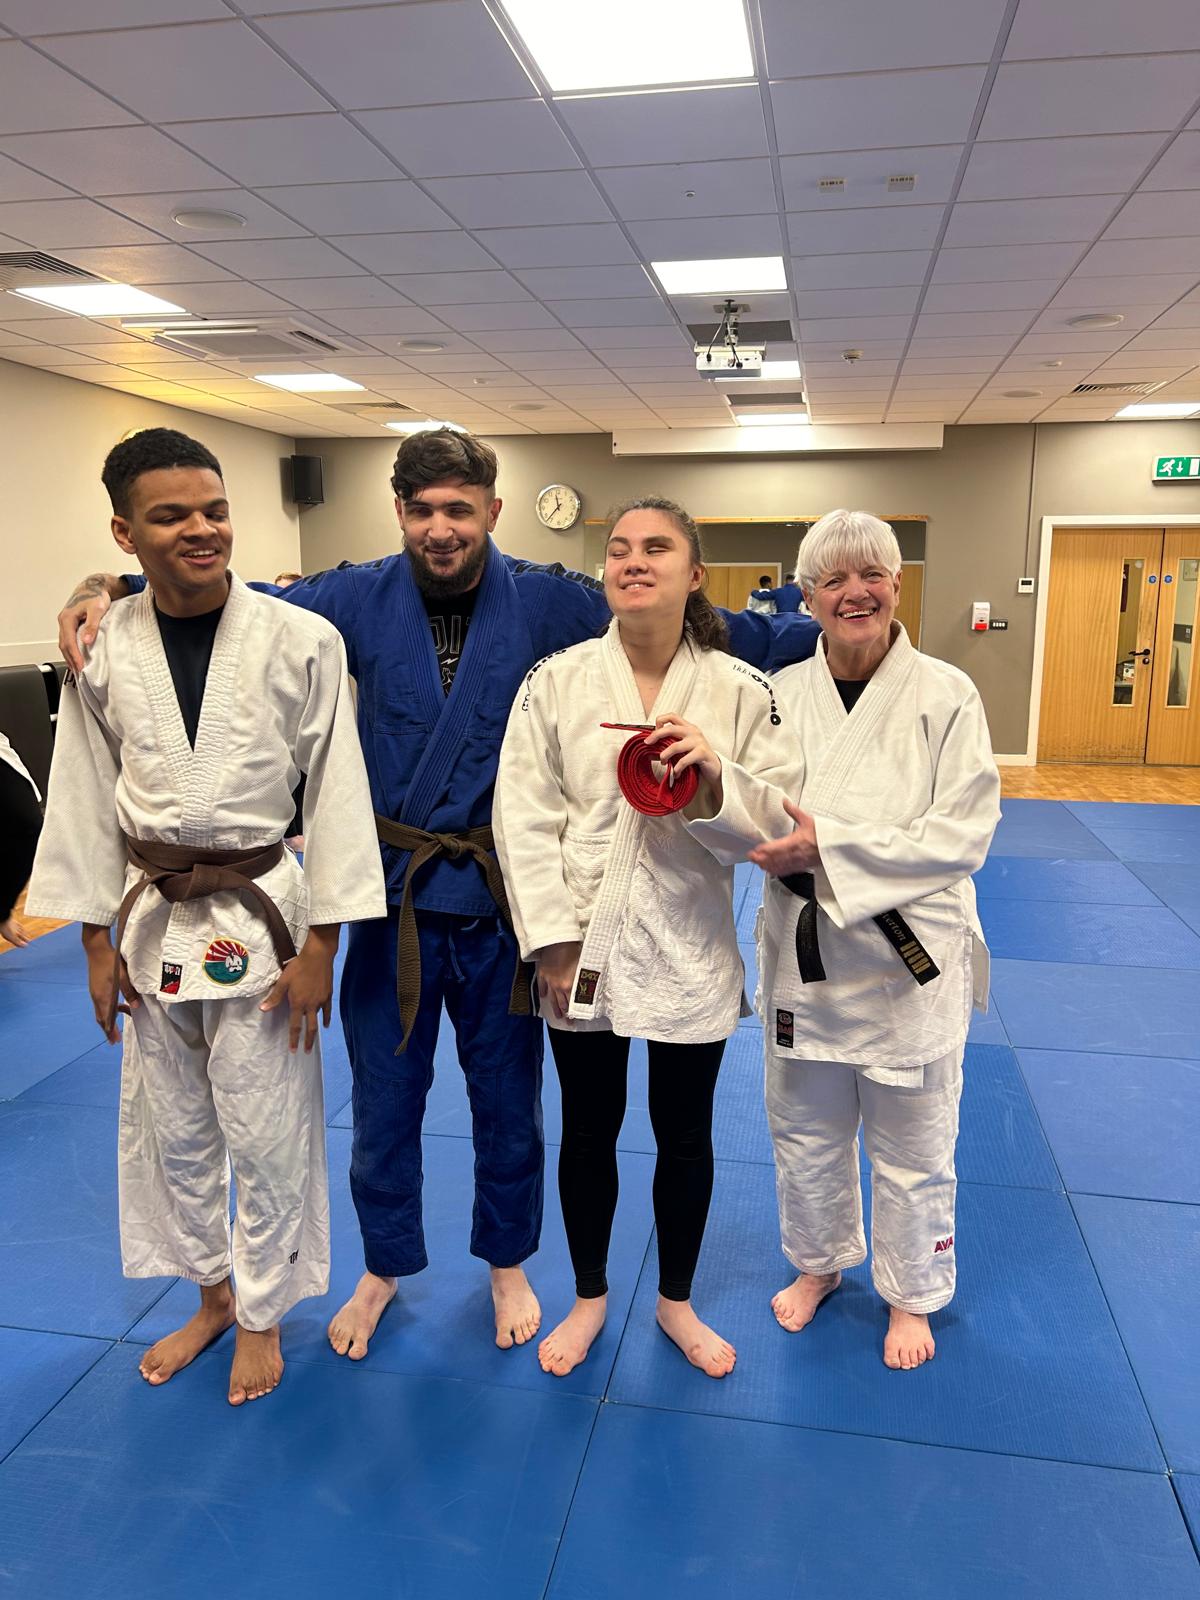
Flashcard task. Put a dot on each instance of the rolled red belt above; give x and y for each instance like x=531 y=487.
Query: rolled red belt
x=648 y=792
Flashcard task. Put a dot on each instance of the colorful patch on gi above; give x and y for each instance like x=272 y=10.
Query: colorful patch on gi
x=172 y=977
x=943 y=1244
x=585 y=987
x=785 y=1029
x=226 y=961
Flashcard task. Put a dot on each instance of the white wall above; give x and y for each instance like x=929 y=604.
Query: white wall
x=54 y=435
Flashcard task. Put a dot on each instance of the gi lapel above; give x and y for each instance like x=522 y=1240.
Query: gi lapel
x=851 y=738
x=609 y=909
x=221 y=687
x=450 y=715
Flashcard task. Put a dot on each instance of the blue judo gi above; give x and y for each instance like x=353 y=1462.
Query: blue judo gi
x=431 y=759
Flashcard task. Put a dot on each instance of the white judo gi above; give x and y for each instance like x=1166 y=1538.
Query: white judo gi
x=11 y=759
x=904 y=794
x=207 y=1078
x=651 y=905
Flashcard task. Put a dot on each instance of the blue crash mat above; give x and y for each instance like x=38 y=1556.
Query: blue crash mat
x=1120 y=1125
x=42 y=1027
x=1110 y=936
x=1176 y=886
x=1045 y=828
x=1167 y=846
x=1123 y=1011
x=999 y=1139
x=440 y=1324
x=58 y=1224
x=1148 y=1257
x=1071 y=882
x=423 y=1490
x=1007 y=1376
x=1187 y=1490
x=711 y=1508
x=52 y=958
x=92 y=1079
x=36 y=1370
x=1122 y=814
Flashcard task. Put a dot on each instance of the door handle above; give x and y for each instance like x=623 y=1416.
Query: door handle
x=1139 y=655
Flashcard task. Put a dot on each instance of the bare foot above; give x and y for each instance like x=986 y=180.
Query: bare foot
x=909 y=1342
x=257 y=1365
x=12 y=930
x=164 y=1359
x=796 y=1306
x=561 y=1352
x=518 y=1315
x=352 y=1328
x=703 y=1348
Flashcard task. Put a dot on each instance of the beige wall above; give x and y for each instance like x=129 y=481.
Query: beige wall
x=974 y=494
x=55 y=433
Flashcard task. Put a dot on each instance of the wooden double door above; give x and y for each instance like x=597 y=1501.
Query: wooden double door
x=1121 y=672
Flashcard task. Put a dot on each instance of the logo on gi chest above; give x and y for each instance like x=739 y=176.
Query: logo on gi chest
x=785 y=1029
x=226 y=961
x=172 y=977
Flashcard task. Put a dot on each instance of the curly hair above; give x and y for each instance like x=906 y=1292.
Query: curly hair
x=439 y=455
x=702 y=622
x=151 y=450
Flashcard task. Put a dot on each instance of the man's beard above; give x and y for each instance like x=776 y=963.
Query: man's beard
x=438 y=587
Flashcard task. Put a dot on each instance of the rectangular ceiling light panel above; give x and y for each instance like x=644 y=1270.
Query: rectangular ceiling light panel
x=307 y=382
x=99 y=300
x=728 y=276
x=590 y=45
x=1163 y=409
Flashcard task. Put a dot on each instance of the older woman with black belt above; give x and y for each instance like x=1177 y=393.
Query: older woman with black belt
x=870 y=950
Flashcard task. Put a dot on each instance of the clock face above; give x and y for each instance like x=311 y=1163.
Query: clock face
x=558 y=507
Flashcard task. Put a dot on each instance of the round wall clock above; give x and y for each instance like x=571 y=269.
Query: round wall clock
x=557 y=507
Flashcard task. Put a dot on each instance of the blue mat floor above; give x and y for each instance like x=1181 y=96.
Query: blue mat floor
x=1050 y=1449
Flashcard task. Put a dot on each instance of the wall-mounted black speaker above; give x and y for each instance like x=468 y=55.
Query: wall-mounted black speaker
x=308 y=483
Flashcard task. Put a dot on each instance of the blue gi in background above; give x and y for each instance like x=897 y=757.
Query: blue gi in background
x=431 y=759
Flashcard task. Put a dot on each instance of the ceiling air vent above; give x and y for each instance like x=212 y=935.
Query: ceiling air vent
x=27 y=269
x=1117 y=388
x=230 y=340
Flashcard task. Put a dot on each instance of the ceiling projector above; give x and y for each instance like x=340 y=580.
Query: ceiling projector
x=730 y=361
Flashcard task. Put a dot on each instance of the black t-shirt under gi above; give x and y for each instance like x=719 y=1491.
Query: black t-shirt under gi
x=188 y=643
x=449 y=618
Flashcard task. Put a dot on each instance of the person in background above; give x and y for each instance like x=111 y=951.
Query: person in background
x=761 y=599
x=284 y=580
x=20 y=824
x=788 y=597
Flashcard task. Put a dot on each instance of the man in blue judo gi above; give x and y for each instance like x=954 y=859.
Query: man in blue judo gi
x=439 y=638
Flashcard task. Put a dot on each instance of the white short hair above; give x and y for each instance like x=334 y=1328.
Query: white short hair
x=843 y=539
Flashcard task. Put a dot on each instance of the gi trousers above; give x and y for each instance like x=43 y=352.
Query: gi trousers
x=207 y=1085
x=814 y=1109
x=467 y=965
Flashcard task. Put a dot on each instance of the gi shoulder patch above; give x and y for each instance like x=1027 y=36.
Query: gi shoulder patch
x=226 y=961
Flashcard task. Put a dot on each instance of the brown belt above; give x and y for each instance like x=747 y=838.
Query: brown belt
x=180 y=873
x=425 y=847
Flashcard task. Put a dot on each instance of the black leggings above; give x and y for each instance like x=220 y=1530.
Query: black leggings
x=592 y=1069
x=20 y=824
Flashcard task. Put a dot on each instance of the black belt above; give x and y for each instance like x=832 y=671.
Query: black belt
x=890 y=923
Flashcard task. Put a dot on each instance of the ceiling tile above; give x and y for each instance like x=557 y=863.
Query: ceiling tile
x=1131 y=256
x=856 y=331
x=258 y=151
x=1073 y=342
x=611 y=313
x=104 y=161
x=403 y=55
x=1042 y=221
x=690 y=189
x=387 y=320
x=155 y=211
x=873 y=349
x=1117 y=94
x=229 y=298
x=383 y=207
x=617 y=338
x=688 y=126
x=583 y=283
x=18 y=183
x=706 y=308
x=1179 y=167
x=861 y=271
x=844 y=302
x=35 y=94
x=348 y=293
x=34 y=17
x=276 y=258
x=433 y=141
x=1141 y=289
x=1021 y=294
x=509 y=198
x=415 y=252
x=493 y=318
x=892 y=109
x=863 y=36
x=542 y=363
x=43 y=355
x=871 y=228
x=583 y=244
x=824 y=370
x=971 y=323
x=521 y=344
x=865 y=174
x=1057 y=28
x=985 y=264
x=707 y=238
x=990 y=345
x=51 y=224
x=1020 y=168
x=458 y=288
x=1056 y=319
x=1155 y=216
x=1186 y=315
x=146 y=264
x=920 y=365
x=201 y=69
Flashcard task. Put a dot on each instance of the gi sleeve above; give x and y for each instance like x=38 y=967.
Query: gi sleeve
x=771 y=642
x=766 y=766
x=868 y=868
x=528 y=817
x=79 y=869
x=342 y=868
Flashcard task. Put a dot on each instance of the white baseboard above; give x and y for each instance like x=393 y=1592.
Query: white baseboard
x=1023 y=760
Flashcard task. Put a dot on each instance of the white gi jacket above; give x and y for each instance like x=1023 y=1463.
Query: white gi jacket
x=904 y=794
x=11 y=759
x=276 y=703
x=651 y=905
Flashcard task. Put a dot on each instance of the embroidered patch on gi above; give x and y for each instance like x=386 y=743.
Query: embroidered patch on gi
x=226 y=961
x=943 y=1244
x=585 y=987
x=172 y=977
x=785 y=1029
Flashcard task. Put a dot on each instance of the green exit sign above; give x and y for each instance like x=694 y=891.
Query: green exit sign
x=1170 y=469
